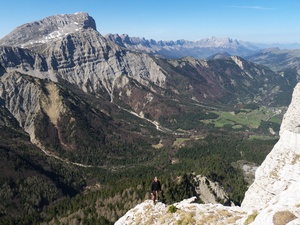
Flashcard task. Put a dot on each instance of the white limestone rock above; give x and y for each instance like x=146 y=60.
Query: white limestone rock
x=186 y=213
x=281 y=167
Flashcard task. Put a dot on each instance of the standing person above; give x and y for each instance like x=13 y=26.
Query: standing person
x=155 y=189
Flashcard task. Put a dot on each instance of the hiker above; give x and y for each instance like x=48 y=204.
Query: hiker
x=155 y=189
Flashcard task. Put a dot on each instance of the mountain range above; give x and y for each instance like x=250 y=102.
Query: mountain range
x=181 y=48
x=277 y=59
x=79 y=105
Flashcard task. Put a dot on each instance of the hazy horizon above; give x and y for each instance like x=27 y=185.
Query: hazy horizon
x=258 y=21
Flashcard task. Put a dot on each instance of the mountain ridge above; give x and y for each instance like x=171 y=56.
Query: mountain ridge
x=277 y=59
x=180 y=48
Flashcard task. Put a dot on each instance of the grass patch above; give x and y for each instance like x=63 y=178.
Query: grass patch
x=186 y=218
x=246 y=117
x=158 y=146
x=179 y=141
x=251 y=218
x=221 y=122
x=237 y=126
x=283 y=217
x=172 y=209
x=275 y=119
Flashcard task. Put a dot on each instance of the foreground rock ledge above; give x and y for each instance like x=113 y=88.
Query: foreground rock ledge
x=187 y=213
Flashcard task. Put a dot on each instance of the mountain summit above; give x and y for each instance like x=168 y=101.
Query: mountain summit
x=49 y=29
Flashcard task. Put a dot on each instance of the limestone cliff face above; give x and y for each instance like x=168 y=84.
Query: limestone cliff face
x=91 y=62
x=16 y=59
x=25 y=98
x=277 y=179
x=21 y=96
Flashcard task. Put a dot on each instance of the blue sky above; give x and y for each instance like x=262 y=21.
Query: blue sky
x=264 y=21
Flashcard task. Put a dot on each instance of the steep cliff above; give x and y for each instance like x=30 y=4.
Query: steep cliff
x=94 y=64
x=276 y=185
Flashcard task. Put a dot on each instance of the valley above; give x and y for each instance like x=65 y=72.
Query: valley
x=88 y=120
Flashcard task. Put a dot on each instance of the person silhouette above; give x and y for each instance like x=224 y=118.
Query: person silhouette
x=155 y=189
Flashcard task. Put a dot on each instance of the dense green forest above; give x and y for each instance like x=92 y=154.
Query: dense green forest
x=52 y=192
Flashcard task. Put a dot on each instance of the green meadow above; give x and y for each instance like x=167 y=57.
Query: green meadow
x=247 y=118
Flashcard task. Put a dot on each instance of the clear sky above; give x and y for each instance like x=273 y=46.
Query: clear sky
x=264 y=21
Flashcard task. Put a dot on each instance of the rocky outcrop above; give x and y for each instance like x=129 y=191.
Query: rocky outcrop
x=210 y=191
x=184 y=212
x=15 y=59
x=78 y=55
x=22 y=99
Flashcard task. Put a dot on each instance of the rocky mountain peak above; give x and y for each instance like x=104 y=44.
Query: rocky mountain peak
x=34 y=34
x=219 y=42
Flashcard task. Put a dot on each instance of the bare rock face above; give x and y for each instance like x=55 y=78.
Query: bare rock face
x=279 y=175
x=210 y=191
x=15 y=59
x=93 y=63
x=22 y=97
x=281 y=167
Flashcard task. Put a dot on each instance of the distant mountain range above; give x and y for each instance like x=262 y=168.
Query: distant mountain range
x=203 y=48
x=181 y=48
x=277 y=59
